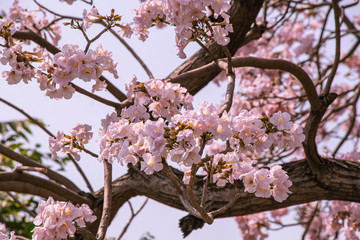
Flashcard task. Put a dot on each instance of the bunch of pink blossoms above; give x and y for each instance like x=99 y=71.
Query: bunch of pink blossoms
x=73 y=63
x=190 y=18
x=252 y=226
x=92 y=16
x=336 y=217
x=80 y=135
x=55 y=74
x=19 y=63
x=26 y=19
x=58 y=220
x=154 y=129
x=3 y=235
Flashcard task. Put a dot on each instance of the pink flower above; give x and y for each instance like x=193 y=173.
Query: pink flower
x=125 y=30
x=82 y=133
x=155 y=88
x=281 y=183
x=249 y=181
x=263 y=179
x=136 y=113
x=220 y=35
x=89 y=17
x=281 y=121
x=68 y=1
x=55 y=219
x=13 y=76
x=56 y=144
x=151 y=164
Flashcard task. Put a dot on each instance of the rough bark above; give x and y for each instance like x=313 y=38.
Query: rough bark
x=341 y=181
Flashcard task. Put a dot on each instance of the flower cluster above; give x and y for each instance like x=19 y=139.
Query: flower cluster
x=255 y=226
x=91 y=16
x=156 y=96
x=19 y=61
x=345 y=217
x=192 y=19
x=55 y=74
x=7 y=27
x=154 y=128
x=3 y=235
x=265 y=183
x=252 y=226
x=73 y=63
x=58 y=220
x=25 y=19
x=72 y=144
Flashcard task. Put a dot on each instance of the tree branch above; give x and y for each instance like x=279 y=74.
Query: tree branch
x=341 y=182
x=26 y=183
x=29 y=162
x=105 y=216
x=263 y=63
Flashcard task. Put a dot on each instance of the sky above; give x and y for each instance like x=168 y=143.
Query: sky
x=61 y=115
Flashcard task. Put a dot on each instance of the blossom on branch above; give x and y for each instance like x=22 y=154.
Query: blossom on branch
x=58 y=220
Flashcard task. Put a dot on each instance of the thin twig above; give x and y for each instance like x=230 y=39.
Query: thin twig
x=90 y=153
x=89 y=42
x=310 y=220
x=95 y=97
x=204 y=215
x=21 y=169
x=26 y=209
x=337 y=47
x=230 y=82
x=105 y=216
x=263 y=18
x=229 y=204
x=35 y=121
x=206 y=49
x=204 y=192
x=352 y=122
x=133 y=53
x=133 y=215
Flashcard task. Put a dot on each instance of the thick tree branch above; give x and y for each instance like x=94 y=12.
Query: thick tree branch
x=26 y=183
x=29 y=162
x=341 y=182
x=263 y=63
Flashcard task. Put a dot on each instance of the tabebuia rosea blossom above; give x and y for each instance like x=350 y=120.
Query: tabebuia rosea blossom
x=55 y=74
x=161 y=125
x=193 y=20
x=73 y=143
x=4 y=236
x=58 y=219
